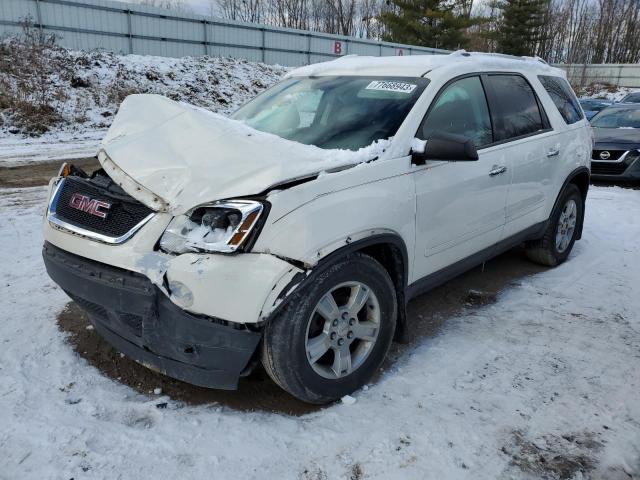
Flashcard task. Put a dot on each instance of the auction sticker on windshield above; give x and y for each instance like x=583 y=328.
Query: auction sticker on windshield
x=391 y=86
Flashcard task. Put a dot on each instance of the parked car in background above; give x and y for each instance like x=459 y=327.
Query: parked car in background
x=616 y=151
x=295 y=233
x=591 y=106
x=631 y=98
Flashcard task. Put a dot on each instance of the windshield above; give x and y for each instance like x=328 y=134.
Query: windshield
x=333 y=112
x=632 y=98
x=594 y=104
x=617 y=118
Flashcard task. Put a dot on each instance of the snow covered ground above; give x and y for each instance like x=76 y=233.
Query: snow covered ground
x=544 y=383
x=17 y=150
x=612 y=94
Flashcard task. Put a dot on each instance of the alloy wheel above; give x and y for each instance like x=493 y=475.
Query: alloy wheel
x=342 y=330
x=566 y=225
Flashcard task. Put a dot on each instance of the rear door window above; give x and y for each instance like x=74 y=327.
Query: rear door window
x=562 y=96
x=460 y=108
x=514 y=106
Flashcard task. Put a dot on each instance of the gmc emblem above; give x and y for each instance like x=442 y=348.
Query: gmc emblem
x=89 y=205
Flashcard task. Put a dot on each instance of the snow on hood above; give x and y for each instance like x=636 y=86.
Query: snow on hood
x=186 y=156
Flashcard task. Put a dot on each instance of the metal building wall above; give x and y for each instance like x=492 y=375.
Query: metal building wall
x=132 y=28
x=622 y=75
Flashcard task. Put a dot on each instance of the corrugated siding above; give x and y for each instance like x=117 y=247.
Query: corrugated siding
x=16 y=10
x=75 y=18
x=90 y=41
x=285 y=41
x=132 y=28
x=9 y=30
x=365 y=49
x=233 y=35
x=624 y=75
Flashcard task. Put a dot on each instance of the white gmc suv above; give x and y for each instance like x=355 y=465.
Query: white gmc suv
x=295 y=233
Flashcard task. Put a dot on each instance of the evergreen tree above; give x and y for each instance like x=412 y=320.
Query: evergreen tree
x=430 y=23
x=520 y=27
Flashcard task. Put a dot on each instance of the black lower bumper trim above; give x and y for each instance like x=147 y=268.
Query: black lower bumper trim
x=134 y=316
x=626 y=177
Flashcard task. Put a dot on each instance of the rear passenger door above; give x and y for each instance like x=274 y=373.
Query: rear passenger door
x=524 y=138
x=570 y=138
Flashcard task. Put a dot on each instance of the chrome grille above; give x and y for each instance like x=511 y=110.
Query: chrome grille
x=123 y=217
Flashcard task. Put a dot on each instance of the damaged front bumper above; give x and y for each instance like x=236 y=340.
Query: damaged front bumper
x=195 y=316
x=240 y=288
x=133 y=315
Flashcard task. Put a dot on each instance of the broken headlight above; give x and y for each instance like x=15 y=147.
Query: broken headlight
x=218 y=227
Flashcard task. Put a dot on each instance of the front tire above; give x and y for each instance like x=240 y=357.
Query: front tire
x=332 y=336
x=556 y=244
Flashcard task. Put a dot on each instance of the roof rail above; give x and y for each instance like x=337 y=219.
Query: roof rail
x=535 y=58
x=500 y=55
x=462 y=52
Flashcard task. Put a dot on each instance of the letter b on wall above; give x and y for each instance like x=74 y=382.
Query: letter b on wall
x=337 y=47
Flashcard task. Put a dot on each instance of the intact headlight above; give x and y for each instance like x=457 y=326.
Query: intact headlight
x=218 y=227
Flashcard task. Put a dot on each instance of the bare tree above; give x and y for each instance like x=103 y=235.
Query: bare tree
x=584 y=31
x=345 y=17
x=344 y=12
x=290 y=13
x=241 y=10
x=573 y=31
x=367 y=23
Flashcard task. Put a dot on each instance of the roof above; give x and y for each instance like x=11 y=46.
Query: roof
x=626 y=105
x=419 y=65
x=595 y=100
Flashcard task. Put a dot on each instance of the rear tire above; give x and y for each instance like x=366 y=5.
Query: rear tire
x=556 y=244
x=332 y=336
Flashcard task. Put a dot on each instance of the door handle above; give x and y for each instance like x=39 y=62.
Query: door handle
x=553 y=153
x=497 y=170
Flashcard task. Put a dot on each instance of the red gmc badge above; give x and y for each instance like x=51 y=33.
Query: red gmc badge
x=90 y=205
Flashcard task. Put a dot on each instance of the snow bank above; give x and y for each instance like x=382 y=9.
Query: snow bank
x=601 y=92
x=90 y=97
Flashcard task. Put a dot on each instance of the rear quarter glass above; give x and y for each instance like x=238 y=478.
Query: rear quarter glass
x=563 y=98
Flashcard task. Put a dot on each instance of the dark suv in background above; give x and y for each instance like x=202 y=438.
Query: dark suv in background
x=631 y=98
x=617 y=143
x=592 y=106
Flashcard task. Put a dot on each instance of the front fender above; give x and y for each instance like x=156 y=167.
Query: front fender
x=393 y=256
x=309 y=222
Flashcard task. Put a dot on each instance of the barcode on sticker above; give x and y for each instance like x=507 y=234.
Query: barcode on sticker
x=391 y=86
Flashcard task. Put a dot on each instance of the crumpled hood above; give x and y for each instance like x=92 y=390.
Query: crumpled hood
x=173 y=156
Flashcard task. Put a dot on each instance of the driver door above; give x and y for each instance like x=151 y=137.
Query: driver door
x=460 y=206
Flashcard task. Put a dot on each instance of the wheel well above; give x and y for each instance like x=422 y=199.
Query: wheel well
x=581 y=180
x=392 y=259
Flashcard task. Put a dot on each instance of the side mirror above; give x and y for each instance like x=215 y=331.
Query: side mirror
x=445 y=146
